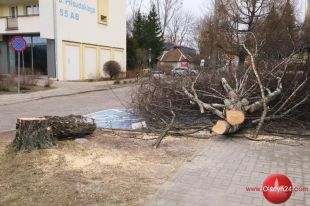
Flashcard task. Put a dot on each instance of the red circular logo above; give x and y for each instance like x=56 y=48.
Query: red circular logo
x=277 y=188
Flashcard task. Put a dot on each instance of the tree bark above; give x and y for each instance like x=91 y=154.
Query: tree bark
x=33 y=133
x=71 y=127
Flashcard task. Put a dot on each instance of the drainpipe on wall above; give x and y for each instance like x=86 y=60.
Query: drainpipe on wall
x=55 y=36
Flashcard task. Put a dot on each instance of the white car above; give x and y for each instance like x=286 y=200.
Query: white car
x=158 y=74
x=184 y=72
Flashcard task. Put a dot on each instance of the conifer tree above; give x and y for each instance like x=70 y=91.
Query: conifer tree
x=288 y=24
x=272 y=33
x=139 y=29
x=131 y=52
x=146 y=38
x=153 y=34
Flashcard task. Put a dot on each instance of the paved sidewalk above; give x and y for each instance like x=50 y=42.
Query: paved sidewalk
x=219 y=174
x=62 y=89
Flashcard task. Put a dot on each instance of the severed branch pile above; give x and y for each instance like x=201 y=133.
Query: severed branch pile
x=234 y=109
x=227 y=100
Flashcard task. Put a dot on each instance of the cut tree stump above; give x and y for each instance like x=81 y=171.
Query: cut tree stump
x=33 y=133
x=71 y=127
x=235 y=117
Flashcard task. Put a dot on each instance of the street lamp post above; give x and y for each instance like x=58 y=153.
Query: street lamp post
x=150 y=57
x=202 y=63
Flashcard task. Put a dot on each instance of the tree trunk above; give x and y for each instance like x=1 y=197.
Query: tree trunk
x=242 y=57
x=33 y=133
x=235 y=108
x=223 y=127
x=71 y=127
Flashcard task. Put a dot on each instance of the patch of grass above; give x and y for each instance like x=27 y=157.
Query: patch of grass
x=11 y=198
x=107 y=170
x=24 y=89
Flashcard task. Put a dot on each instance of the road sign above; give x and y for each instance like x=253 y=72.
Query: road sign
x=18 y=44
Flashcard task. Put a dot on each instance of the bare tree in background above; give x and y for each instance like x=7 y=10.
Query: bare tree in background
x=245 y=16
x=217 y=34
x=233 y=21
x=166 y=10
x=135 y=6
x=247 y=13
x=181 y=28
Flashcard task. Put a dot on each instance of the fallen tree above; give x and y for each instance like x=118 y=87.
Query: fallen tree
x=226 y=100
x=71 y=127
x=235 y=109
x=41 y=133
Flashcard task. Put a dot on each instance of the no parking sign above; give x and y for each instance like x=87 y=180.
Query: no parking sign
x=18 y=44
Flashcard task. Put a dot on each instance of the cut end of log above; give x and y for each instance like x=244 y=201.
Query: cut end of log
x=235 y=117
x=221 y=127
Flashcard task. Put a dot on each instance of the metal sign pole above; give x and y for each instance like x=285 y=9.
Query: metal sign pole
x=32 y=67
x=19 y=44
x=23 y=60
x=18 y=62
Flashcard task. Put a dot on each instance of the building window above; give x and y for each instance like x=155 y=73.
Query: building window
x=103 y=10
x=29 y=10
x=32 y=10
x=36 y=10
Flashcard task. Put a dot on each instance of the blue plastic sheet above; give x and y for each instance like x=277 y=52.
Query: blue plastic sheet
x=115 y=119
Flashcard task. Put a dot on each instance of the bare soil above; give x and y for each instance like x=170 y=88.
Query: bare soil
x=109 y=169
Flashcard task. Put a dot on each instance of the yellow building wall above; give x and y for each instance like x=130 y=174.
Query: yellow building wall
x=76 y=25
x=103 y=54
x=30 y=24
x=21 y=10
x=82 y=26
x=5 y=9
x=103 y=11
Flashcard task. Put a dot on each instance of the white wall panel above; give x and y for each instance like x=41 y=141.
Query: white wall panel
x=90 y=63
x=72 y=62
x=105 y=55
x=119 y=57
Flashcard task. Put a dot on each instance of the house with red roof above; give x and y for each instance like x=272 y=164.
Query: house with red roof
x=176 y=57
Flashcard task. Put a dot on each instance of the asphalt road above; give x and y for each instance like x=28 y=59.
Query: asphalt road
x=75 y=104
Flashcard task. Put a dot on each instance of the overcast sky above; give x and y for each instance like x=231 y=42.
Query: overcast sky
x=200 y=7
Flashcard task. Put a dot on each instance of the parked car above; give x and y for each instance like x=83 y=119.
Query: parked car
x=158 y=74
x=183 y=72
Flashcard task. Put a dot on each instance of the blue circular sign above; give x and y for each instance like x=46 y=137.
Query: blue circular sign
x=18 y=44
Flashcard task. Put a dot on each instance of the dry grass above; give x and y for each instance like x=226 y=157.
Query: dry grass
x=24 y=89
x=107 y=170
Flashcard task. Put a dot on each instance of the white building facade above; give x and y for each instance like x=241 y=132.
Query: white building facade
x=66 y=39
